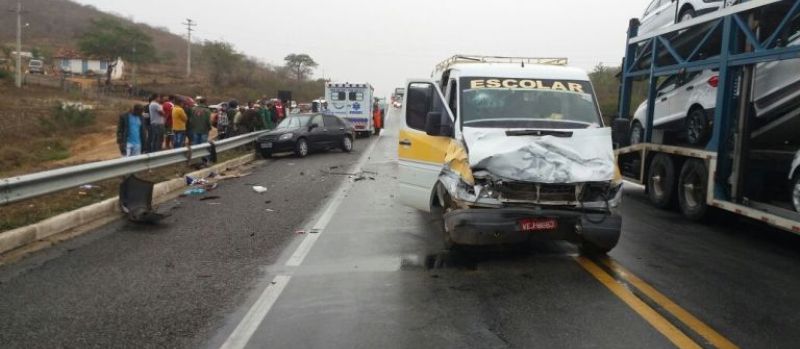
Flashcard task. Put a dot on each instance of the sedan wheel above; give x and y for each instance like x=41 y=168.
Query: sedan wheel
x=696 y=127
x=301 y=148
x=796 y=193
x=347 y=144
x=686 y=15
x=637 y=133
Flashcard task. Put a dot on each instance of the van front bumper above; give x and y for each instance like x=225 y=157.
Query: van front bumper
x=492 y=226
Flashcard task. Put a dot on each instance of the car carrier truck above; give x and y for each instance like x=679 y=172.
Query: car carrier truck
x=748 y=165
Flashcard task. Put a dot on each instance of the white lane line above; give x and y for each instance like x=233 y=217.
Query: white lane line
x=244 y=331
x=241 y=335
x=319 y=226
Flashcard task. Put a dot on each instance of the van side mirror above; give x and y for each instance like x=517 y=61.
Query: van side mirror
x=620 y=129
x=435 y=125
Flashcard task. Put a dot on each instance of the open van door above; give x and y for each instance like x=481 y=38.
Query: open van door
x=425 y=135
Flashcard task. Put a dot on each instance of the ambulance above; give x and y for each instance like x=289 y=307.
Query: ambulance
x=506 y=150
x=352 y=102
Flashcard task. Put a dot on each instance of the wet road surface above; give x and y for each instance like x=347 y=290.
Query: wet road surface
x=369 y=272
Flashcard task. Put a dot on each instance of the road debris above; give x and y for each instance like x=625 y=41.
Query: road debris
x=211 y=197
x=269 y=210
x=259 y=189
x=194 y=192
x=300 y=232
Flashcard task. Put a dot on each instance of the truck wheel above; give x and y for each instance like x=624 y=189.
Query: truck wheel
x=301 y=148
x=661 y=181
x=692 y=186
x=696 y=127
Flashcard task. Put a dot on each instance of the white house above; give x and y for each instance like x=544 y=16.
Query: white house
x=73 y=62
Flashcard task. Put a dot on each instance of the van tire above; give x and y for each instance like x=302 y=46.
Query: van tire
x=661 y=181
x=692 y=186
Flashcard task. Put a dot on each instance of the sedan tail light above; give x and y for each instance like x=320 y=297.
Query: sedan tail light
x=713 y=81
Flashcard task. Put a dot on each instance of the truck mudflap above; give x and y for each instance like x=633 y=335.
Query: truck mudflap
x=492 y=226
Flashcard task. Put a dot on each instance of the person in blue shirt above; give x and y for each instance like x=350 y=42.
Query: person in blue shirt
x=131 y=131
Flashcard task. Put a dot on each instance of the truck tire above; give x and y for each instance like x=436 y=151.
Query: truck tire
x=661 y=181
x=692 y=185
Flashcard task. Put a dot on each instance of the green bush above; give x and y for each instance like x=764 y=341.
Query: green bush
x=68 y=117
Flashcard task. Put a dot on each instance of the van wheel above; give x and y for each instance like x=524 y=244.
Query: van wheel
x=692 y=186
x=661 y=181
x=696 y=127
x=637 y=133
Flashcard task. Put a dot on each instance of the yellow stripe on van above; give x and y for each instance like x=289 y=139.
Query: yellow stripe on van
x=423 y=148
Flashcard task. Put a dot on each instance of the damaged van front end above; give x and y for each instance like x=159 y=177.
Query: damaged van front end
x=502 y=186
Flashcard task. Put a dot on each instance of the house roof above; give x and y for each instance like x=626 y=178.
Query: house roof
x=67 y=53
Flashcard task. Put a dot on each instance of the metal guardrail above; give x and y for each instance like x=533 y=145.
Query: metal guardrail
x=31 y=185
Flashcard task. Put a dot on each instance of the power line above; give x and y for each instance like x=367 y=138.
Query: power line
x=189 y=24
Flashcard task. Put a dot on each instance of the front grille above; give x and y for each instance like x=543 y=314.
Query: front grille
x=534 y=192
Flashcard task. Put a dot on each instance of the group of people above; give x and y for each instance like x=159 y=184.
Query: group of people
x=168 y=122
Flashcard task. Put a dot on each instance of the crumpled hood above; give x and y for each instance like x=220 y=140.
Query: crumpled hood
x=586 y=156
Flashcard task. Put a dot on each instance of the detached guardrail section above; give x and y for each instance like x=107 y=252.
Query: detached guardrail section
x=27 y=186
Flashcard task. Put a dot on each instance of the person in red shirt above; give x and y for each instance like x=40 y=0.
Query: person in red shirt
x=376 y=117
x=167 y=106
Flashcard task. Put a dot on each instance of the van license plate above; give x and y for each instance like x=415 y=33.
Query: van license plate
x=266 y=145
x=538 y=224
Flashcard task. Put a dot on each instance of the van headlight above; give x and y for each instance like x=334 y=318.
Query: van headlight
x=285 y=137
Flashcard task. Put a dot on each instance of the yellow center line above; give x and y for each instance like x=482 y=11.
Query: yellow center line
x=680 y=339
x=705 y=331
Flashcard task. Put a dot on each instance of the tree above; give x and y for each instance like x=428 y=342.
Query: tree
x=300 y=64
x=110 y=39
x=221 y=59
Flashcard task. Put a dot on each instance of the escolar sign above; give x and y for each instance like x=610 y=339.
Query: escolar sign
x=526 y=84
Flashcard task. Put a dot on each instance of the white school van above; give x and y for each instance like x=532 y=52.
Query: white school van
x=352 y=102
x=508 y=150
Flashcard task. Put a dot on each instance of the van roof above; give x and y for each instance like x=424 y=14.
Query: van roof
x=516 y=70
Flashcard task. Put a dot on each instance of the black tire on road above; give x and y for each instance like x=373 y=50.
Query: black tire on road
x=637 y=133
x=661 y=181
x=347 y=144
x=697 y=127
x=692 y=186
x=301 y=148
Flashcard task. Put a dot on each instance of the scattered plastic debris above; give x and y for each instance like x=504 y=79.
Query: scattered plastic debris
x=269 y=210
x=259 y=189
x=194 y=192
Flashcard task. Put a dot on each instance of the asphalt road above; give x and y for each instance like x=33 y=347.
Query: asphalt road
x=371 y=273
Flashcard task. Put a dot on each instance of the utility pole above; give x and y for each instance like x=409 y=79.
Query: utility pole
x=19 y=44
x=189 y=24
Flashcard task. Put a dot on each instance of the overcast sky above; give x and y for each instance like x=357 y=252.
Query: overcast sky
x=384 y=42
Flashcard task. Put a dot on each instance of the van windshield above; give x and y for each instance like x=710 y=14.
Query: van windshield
x=497 y=102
